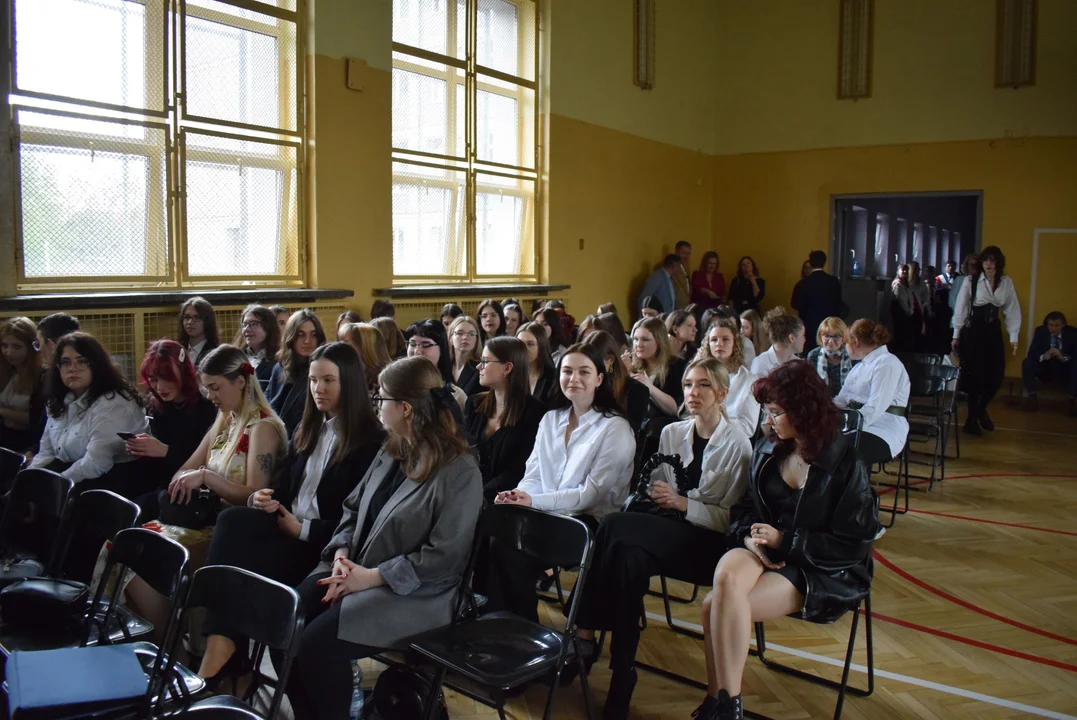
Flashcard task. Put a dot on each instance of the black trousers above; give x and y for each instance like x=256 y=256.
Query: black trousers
x=630 y=549
x=320 y=684
x=873 y=449
x=983 y=360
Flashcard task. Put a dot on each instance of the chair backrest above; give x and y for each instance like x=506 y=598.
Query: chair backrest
x=913 y=358
x=852 y=424
x=93 y=516
x=928 y=380
x=10 y=464
x=551 y=540
x=34 y=512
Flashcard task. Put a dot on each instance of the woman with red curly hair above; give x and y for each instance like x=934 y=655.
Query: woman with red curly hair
x=807 y=487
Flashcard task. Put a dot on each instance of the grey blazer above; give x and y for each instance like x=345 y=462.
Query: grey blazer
x=420 y=542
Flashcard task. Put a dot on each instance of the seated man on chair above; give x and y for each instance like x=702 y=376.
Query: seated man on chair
x=1050 y=358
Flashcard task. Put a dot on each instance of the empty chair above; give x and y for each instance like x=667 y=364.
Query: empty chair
x=30 y=522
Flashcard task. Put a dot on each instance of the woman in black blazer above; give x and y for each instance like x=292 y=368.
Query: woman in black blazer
x=464 y=353
x=280 y=534
x=542 y=372
x=503 y=422
x=288 y=386
x=259 y=337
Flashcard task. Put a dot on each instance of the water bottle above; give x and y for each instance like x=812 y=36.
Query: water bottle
x=356 y=711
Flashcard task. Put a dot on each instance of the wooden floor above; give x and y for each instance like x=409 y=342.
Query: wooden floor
x=975 y=602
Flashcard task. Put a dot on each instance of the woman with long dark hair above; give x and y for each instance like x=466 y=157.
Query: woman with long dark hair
x=280 y=533
x=978 y=334
x=22 y=386
x=198 y=328
x=504 y=420
x=747 y=289
x=610 y=322
x=288 y=386
x=801 y=534
x=514 y=318
x=491 y=320
x=450 y=312
x=427 y=338
x=683 y=330
x=631 y=395
x=394 y=565
x=541 y=369
x=551 y=321
x=259 y=337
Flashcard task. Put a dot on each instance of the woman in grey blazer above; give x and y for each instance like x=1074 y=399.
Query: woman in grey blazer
x=394 y=565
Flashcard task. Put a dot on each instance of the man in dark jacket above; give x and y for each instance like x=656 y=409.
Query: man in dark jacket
x=1050 y=358
x=817 y=297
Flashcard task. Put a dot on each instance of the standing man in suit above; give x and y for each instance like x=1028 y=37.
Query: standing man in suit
x=660 y=284
x=682 y=285
x=817 y=297
x=1050 y=358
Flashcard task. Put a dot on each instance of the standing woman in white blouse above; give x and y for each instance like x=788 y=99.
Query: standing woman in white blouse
x=725 y=344
x=581 y=465
x=88 y=403
x=978 y=334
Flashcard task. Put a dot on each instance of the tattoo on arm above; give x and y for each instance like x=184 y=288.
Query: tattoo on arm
x=266 y=463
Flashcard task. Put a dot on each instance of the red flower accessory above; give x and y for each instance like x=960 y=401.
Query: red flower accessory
x=243 y=444
x=246 y=369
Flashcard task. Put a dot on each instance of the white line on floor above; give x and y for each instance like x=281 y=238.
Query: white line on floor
x=960 y=692
x=1038 y=432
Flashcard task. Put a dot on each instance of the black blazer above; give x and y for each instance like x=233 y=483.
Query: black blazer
x=264 y=373
x=1041 y=342
x=544 y=388
x=816 y=298
x=206 y=350
x=287 y=398
x=469 y=379
x=337 y=482
x=742 y=296
x=509 y=447
x=637 y=403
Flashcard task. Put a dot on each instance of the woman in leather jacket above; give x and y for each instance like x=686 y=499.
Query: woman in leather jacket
x=802 y=531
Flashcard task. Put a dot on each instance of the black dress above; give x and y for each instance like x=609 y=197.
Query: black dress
x=783 y=499
x=672 y=386
x=743 y=297
x=503 y=455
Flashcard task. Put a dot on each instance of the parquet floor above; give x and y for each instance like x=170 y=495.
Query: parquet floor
x=975 y=602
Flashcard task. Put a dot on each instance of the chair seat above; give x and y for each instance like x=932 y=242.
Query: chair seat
x=146 y=652
x=15 y=638
x=499 y=649
x=224 y=707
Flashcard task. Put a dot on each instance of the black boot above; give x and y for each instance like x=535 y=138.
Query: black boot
x=707 y=709
x=619 y=697
x=588 y=653
x=985 y=421
x=972 y=427
x=729 y=708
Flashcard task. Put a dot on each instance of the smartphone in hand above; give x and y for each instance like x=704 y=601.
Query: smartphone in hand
x=127 y=435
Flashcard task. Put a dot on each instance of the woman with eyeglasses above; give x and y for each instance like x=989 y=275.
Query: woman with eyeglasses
x=830 y=357
x=259 y=337
x=504 y=420
x=280 y=532
x=514 y=318
x=652 y=363
x=465 y=353
x=370 y=345
x=393 y=568
x=22 y=386
x=198 y=328
x=541 y=370
x=801 y=534
x=288 y=386
x=726 y=345
x=427 y=339
x=491 y=320
x=89 y=402
x=683 y=543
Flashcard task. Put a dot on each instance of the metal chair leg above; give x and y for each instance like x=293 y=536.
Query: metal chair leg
x=669 y=613
x=432 y=696
x=674 y=598
x=584 y=685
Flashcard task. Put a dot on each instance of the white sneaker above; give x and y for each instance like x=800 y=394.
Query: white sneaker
x=882 y=531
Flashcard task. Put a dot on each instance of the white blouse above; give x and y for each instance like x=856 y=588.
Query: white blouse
x=727 y=462
x=764 y=363
x=1003 y=297
x=740 y=404
x=590 y=474
x=748 y=352
x=86 y=435
x=876 y=383
x=903 y=295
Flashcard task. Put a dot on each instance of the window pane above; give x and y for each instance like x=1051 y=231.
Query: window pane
x=192 y=6
x=420 y=116
x=425 y=24
x=501 y=25
x=428 y=217
x=98 y=50
x=504 y=222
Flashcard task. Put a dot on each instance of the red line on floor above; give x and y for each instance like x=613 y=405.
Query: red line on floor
x=967 y=605
x=975 y=643
x=993 y=522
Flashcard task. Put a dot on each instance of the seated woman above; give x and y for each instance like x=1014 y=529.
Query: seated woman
x=288 y=387
x=632 y=547
x=395 y=344
x=88 y=403
x=756 y=341
x=632 y=396
x=370 y=345
x=725 y=344
x=427 y=339
x=541 y=370
x=514 y=318
x=786 y=334
x=197 y=328
x=259 y=337
x=393 y=566
x=503 y=421
x=683 y=330
x=180 y=416
x=464 y=351
x=348 y=317
x=878 y=387
x=652 y=363
x=491 y=320
x=801 y=534
x=830 y=358
x=22 y=386
x=550 y=320
x=450 y=312
x=282 y=314
x=242 y=452
x=611 y=323
x=280 y=533
x=581 y=465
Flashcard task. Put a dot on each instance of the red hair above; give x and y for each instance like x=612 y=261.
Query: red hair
x=797 y=388
x=163 y=360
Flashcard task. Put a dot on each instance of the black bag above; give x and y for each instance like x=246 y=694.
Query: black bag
x=640 y=501
x=400 y=693
x=200 y=512
x=44 y=604
x=19 y=567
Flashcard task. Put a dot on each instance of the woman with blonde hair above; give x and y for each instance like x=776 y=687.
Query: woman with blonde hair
x=830 y=357
x=465 y=353
x=725 y=344
x=541 y=370
x=751 y=327
x=22 y=386
x=653 y=363
x=370 y=345
x=395 y=344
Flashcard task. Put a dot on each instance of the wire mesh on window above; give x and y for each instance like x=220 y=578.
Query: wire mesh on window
x=116 y=332
x=505 y=37
x=504 y=226
x=241 y=209
x=504 y=124
x=240 y=12
x=428 y=221
x=434 y=25
x=240 y=70
x=93 y=204
x=108 y=51
x=428 y=107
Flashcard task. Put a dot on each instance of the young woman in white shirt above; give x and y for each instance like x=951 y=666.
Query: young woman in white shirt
x=653 y=363
x=581 y=465
x=725 y=344
x=786 y=333
x=877 y=387
x=632 y=547
x=88 y=403
x=978 y=334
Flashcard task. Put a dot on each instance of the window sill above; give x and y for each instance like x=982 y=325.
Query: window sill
x=496 y=290
x=83 y=301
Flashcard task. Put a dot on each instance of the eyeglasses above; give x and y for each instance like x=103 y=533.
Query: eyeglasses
x=191 y=318
x=421 y=346
x=465 y=333
x=378 y=400
x=484 y=362
x=772 y=416
x=835 y=338
x=252 y=324
x=80 y=362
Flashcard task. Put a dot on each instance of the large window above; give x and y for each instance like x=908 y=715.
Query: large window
x=464 y=150
x=158 y=143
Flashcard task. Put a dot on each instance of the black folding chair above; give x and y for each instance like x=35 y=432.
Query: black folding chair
x=499 y=650
x=901 y=479
x=31 y=520
x=261 y=609
x=10 y=464
x=931 y=408
x=93 y=516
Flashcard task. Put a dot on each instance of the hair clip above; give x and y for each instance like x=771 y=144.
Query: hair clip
x=182 y=355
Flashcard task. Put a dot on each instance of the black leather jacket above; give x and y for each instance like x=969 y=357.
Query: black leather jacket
x=835 y=522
